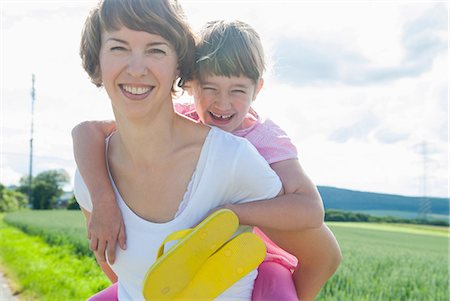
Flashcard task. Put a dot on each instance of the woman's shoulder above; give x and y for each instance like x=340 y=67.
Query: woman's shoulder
x=228 y=139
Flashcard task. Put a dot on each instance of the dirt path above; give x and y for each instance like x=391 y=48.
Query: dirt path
x=5 y=291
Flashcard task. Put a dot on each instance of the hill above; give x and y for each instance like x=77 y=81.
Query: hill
x=380 y=204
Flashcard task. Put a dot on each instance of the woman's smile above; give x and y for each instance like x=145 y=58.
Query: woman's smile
x=136 y=92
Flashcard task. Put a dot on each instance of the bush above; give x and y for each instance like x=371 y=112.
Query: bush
x=11 y=200
x=346 y=216
x=73 y=204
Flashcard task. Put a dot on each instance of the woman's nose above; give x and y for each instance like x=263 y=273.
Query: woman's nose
x=136 y=66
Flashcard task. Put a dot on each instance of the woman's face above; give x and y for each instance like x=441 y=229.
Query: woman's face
x=138 y=70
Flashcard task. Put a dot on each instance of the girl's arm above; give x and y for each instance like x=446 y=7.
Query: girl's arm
x=105 y=225
x=103 y=265
x=299 y=208
x=294 y=221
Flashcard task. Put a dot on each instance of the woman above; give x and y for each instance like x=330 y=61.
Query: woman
x=167 y=171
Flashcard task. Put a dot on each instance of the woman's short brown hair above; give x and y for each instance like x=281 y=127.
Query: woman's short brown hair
x=161 y=17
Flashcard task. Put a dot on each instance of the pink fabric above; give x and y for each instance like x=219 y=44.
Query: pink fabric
x=108 y=294
x=269 y=139
x=274 y=283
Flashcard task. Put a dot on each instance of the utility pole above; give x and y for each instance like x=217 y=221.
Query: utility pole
x=425 y=204
x=30 y=171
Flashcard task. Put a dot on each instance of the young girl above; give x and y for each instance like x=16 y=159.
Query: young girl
x=227 y=79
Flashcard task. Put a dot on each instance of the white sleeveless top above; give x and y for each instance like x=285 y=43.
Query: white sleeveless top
x=229 y=170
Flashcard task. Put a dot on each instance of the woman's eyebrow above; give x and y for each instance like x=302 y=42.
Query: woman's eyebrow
x=116 y=40
x=158 y=44
x=148 y=44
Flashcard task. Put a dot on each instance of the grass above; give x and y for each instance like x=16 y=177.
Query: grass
x=402 y=228
x=47 y=273
x=390 y=262
x=398 y=262
x=56 y=227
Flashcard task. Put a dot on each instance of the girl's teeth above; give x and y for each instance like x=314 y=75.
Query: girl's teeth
x=136 y=90
x=221 y=116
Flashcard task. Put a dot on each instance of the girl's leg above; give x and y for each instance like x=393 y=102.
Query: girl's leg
x=108 y=294
x=274 y=283
x=319 y=255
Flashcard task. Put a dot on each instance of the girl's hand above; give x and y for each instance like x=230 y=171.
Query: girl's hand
x=105 y=228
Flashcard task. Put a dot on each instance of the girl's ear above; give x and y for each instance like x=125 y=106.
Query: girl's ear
x=188 y=87
x=258 y=87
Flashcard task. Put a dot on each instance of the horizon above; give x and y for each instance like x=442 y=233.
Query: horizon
x=358 y=97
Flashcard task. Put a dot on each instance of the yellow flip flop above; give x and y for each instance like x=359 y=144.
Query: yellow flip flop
x=230 y=263
x=175 y=268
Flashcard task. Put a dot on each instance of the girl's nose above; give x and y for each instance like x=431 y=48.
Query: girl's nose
x=222 y=102
x=136 y=66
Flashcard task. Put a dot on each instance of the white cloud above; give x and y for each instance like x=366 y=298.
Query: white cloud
x=354 y=39
x=8 y=176
x=378 y=126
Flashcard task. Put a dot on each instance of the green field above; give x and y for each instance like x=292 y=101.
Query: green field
x=43 y=272
x=380 y=261
x=56 y=227
x=390 y=262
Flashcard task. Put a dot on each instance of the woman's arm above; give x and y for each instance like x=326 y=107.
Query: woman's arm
x=105 y=225
x=299 y=208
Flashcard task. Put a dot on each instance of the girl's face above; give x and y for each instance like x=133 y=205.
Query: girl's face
x=225 y=101
x=138 y=70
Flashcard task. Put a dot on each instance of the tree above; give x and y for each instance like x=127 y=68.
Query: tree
x=73 y=204
x=11 y=200
x=46 y=187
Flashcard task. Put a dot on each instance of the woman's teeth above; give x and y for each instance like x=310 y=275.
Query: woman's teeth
x=136 y=90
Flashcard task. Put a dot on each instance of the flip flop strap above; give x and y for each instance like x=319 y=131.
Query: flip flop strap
x=177 y=235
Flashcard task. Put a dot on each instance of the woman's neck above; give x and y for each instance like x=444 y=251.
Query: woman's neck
x=146 y=140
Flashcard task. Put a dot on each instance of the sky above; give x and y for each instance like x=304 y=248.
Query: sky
x=361 y=87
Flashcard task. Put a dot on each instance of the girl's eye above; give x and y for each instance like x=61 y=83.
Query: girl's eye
x=208 y=88
x=238 y=91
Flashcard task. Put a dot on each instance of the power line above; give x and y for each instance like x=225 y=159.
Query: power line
x=425 y=203
x=36 y=156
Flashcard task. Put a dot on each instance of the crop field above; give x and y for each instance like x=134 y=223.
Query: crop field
x=56 y=227
x=380 y=261
x=390 y=262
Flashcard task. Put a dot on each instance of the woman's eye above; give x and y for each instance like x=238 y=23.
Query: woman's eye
x=118 y=48
x=156 y=51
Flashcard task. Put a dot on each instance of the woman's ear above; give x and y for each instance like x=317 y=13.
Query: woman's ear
x=97 y=77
